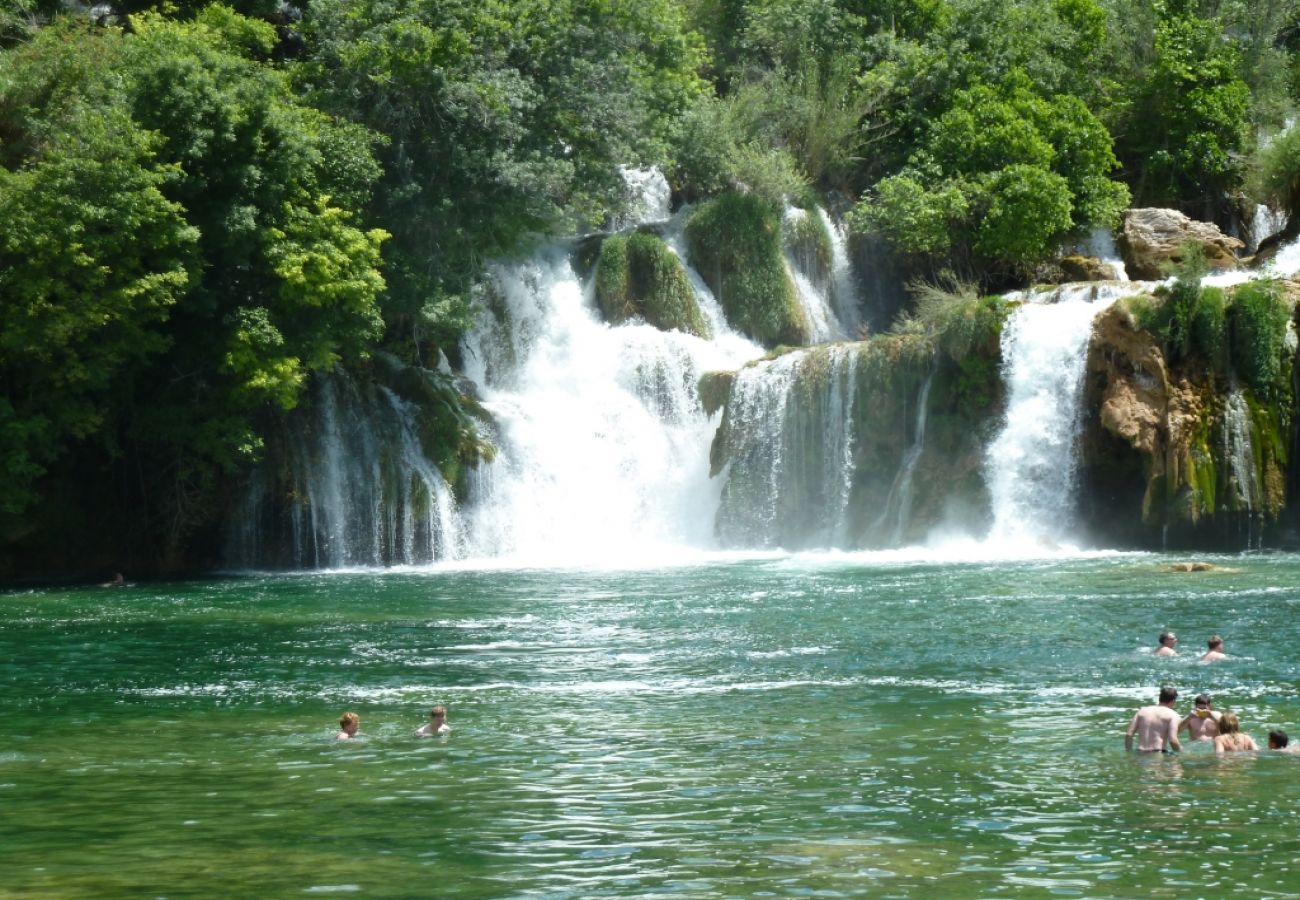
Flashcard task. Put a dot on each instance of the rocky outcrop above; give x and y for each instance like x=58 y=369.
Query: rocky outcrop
x=1155 y=239
x=1193 y=441
x=637 y=275
x=1086 y=268
x=735 y=244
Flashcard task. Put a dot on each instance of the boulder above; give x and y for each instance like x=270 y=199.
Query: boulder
x=1154 y=239
x=1086 y=268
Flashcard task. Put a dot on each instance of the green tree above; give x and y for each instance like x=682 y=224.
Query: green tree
x=218 y=256
x=1002 y=177
x=502 y=121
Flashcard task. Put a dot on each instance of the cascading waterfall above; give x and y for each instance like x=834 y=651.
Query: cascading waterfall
x=1239 y=451
x=898 y=508
x=814 y=288
x=602 y=443
x=1031 y=467
x=354 y=488
x=843 y=287
x=790 y=441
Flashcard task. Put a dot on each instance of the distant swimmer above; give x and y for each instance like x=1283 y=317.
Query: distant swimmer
x=350 y=724
x=1231 y=738
x=1167 y=642
x=1156 y=726
x=1277 y=740
x=1215 y=652
x=1202 y=723
x=437 y=723
x=119 y=580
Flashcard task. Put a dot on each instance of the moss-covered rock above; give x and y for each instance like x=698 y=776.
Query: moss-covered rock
x=1202 y=449
x=715 y=388
x=638 y=275
x=735 y=243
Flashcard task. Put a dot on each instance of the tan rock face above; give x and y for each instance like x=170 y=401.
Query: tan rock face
x=1136 y=397
x=1155 y=238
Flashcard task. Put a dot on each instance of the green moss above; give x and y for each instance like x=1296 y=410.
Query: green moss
x=613 y=281
x=1269 y=425
x=715 y=388
x=735 y=244
x=639 y=275
x=1259 y=317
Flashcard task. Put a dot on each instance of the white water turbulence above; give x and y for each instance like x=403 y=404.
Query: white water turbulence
x=789 y=440
x=602 y=445
x=813 y=280
x=844 y=287
x=1031 y=466
x=360 y=490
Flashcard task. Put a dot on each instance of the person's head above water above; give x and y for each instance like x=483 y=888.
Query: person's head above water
x=1229 y=723
x=1215 y=643
x=438 y=713
x=1168 y=639
x=1203 y=705
x=349 y=722
x=1277 y=739
x=1168 y=694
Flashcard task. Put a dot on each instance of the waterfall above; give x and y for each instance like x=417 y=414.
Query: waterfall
x=602 y=443
x=813 y=279
x=898 y=507
x=844 y=287
x=1239 y=452
x=790 y=442
x=1101 y=244
x=1030 y=467
x=353 y=487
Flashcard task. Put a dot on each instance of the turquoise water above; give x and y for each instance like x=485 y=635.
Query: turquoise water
x=843 y=726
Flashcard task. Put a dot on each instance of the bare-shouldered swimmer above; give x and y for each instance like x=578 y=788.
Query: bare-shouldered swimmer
x=1215 y=651
x=1202 y=723
x=1156 y=726
x=1168 y=641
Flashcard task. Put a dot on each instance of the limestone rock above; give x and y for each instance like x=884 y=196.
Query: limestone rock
x=1154 y=238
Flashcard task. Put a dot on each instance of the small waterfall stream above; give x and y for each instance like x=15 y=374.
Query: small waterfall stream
x=362 y=491
x=789 y=433
x=1031 y=466
x=898 y=508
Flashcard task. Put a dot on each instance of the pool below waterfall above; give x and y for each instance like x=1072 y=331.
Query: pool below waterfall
x=830 y=725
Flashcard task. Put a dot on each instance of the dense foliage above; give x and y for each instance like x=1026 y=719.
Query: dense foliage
x=202 y=204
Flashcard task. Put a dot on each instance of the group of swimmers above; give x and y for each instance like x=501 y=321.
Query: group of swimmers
x=350 y=725
x=1169 y=642
x=1157 y=727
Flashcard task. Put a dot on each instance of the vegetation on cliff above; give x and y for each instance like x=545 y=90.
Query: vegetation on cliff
x=637 y=275
x=201 y=204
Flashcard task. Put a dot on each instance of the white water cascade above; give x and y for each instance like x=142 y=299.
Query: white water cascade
x=1031 y=466
x=1239 y=451
x=362 y=491
x=790 y=441
x=602 y=443
x=898 y=508
x=814 y=290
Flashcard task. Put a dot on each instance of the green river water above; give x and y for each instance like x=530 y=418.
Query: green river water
x=761 y=727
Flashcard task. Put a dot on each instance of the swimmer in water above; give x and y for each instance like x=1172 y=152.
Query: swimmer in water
x=1156 y=726
x=1231 y=738
x=1167 y=641
x=437 y=723
x=1202 y=723
x=1216 y=650
x=349 y=725
x=1278 y=741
